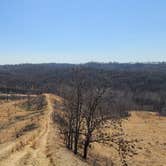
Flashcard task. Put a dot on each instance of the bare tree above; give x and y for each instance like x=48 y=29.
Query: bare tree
x=85 y=111
x=73 y=106
x=94 y=117
x=68 y=130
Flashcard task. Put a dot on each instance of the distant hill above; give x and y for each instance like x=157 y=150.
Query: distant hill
x=141 y=83
x=143 y=76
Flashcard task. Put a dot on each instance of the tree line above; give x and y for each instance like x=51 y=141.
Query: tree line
x=143 y=85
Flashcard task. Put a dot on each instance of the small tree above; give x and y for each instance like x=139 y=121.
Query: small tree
x=73 y=106
x=85 y=110
x=94 y=117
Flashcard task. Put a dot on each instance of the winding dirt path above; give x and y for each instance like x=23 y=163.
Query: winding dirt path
x=34 y=153
x=43 y=149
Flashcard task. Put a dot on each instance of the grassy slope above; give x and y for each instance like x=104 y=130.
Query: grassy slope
x=149 y=134
x=41 y=146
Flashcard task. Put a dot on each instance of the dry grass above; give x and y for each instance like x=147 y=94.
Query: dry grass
x=43 y=144
x=147 y=132
x=24 y=144
x=13 y=120
x=17 y=127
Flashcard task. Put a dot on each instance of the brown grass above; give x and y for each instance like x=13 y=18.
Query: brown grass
x=147 y=132
x=24 y=144
x=42 y=144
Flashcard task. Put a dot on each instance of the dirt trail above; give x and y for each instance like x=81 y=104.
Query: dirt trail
x=58 y=154
x=41 y=150
x=34 y=152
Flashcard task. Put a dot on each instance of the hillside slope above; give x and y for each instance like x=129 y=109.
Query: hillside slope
x=146 y=132
x=41 y=147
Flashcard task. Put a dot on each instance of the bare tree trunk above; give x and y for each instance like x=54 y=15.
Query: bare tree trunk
x=78 y=117
x=76 y=143
x=71 y=141
x=86 y=146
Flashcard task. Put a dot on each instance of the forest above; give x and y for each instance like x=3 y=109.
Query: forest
x=138 y=86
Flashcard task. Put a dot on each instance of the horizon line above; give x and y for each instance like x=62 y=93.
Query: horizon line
x=83 y=63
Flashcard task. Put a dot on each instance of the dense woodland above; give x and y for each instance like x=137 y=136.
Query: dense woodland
x=133 y=86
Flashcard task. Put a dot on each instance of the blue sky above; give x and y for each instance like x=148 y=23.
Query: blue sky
x=77 y=31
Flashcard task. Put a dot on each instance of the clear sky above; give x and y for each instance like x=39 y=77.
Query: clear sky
x=77 y=31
